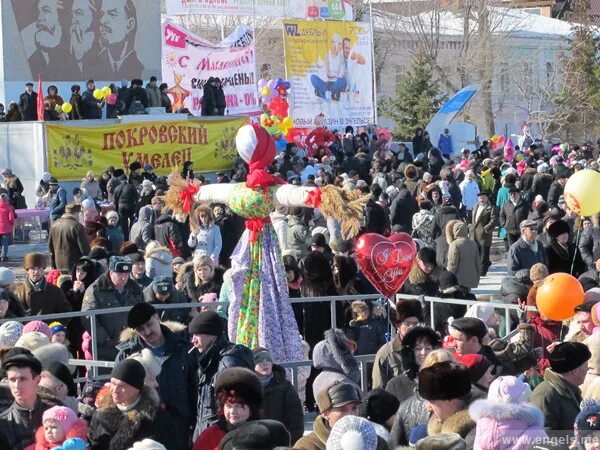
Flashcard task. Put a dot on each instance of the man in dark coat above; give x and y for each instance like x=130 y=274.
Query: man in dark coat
x=528 y=250
x=125 y=199
x=92 y=107
x=131 y=413
x=513 y=212
x=483 y=222
x=76 y=102
x=112 y=289
x=28 y=103
x=163 y=292
x=19 y=423
x=443 y=215
x=67 y=242
x=167 y=233
x=178 y=379
x=215 y=353
x=403 y=207
x=137 y=100
x=556 y=190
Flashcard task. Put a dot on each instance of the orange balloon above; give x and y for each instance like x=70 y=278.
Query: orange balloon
x=558 y=295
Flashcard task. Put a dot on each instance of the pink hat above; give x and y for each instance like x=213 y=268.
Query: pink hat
x=509 y=390
x=63 y=415
x=38 y=325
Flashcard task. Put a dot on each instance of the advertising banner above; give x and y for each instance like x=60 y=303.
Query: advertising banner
x=297 y=9
x=188 y=61
x=329 y=67
x=210 y=144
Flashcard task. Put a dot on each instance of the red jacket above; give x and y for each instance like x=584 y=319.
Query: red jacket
x=7 y=217
x=210 y=438
x=79 y=429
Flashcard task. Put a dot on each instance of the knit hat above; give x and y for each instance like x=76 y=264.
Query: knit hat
x=34 y=260
x=63 y=415
x=162 y=285
x=207 y=322
x=32 y=340
x=119 y=264
x=427 y=256
x=256 y=435
x=7 y=276
x=442 y=441
x=538 y=272
x=148 y=444
x=567 y=356
x=477 y=365
x=261 y=354
x=131 y=372
x=352 y=433
x=590 y=297
x=509 y=390
x=378 y=406
x=244 y=382
x=481 y=310
x=22 y=360
x=37 y=325
x=62 y=372
x=57 y=327
x=557 y=228
x=140 y=314
x=112 y=215
x=338 y=395
x=10 y=332
x=52 y=352
x=471 y=326
x=406 y=309
x=444 y=381
x=588 y=419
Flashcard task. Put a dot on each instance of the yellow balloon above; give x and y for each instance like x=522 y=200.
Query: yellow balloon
x=106 y=90
x=266 y=91
x=98 y=95
x=67 y=108
x=581 y=192
x=288 y=122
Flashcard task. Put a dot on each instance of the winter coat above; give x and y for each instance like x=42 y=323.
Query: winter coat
x=114 y=234
x=125 y=197
x=412 y=412
x=206 y=241
x=511 y=289
x=506 y=426
x=554 y=193
x=511 y=215
x=92 y=188
x=335 y=360
x=297 y=234
x=469 y=191
x=388 y=363
x=142 y=231
x=169 y=315
x=522 y=256
x=194 y=292
x=561 y=171
x=49 y=300
x=487 y=181
x=111 y=429
x=541 y=185
x=154 y=97
x=15 y=191
x=221 y=355
x=401 y=387
x=422 y=225
x=18 y=425
x=317 y=440
x=376 y=219
x=483 y=224
x=368 y=334
x=559 y=401
x=281 y=403
x=90 y=106
x=167 y=233
x=463 y=256
x=402 y=209
x=67 y=242
x=159 y=262
x=442 y=216
x=78 y=430
x=210 y=438
x=101 y=294
x=591 y=274
x=589 y=239
x=7 y=217
x=166 y=102
x=526 y=180
x=420 y=283
x=567 y=260
x=58 y=201
x=178 y=378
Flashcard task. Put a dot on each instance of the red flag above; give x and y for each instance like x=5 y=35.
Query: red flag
x=40 y=100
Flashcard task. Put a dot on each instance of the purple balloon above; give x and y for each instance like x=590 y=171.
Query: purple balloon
x=272 y=84
x=279 y=82
x=262 y=83
x=287 y=84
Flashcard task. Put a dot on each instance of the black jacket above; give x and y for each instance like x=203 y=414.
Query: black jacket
x=222 y=355
x=443 y=215
x=511 y=215
x=28 y=106
x=376 y=218
x=111 y=429
x=554 y=193
x=563 y=260
x=541 y=184
x=281 y=403
x=402 y=209
x=18 y=425
x=167 y=233
x=175 y=315
x=137 y=94
x=178 y=379
x=90 y=106
x=588 y=240
x=126 y=197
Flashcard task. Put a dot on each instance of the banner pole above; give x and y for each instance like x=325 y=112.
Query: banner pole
x=373 y=63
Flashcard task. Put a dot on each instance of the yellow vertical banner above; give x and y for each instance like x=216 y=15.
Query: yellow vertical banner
x=73 y=150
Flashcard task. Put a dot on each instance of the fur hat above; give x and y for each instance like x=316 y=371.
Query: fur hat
x=557 y=228
x=442 y=441
x=352 y=433
x=568 y=356
x=32 y=340
x=7 y=276
x=538 y=272
x=244 y=382
x=10 y=332
x=128 y=248
x=257 y=434
x=406 y=309
x=37 y=325
x=34 y=260
x=444 y=381
x=427 y=256
x=135 y=166
x=378 y=406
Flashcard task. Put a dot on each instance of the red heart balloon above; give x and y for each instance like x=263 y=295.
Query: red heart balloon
x=386 y=262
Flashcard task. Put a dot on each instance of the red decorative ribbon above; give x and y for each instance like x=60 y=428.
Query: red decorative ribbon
x=314 y=198
x=255 y=226
x=187 y=196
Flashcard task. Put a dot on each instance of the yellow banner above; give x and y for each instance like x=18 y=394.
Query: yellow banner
x=210 y=144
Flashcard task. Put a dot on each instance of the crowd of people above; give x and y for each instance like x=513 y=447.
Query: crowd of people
x=444 y=375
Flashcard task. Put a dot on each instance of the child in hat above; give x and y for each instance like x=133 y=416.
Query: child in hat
x=59 y=424
x=59 y=331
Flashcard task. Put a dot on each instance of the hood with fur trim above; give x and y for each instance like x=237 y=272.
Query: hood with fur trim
x=129 y=333
x=334 y=353
x=450 y=234
x=525 y=412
